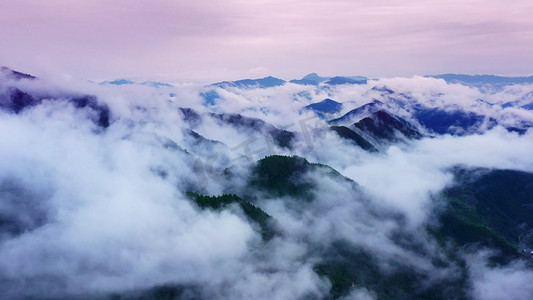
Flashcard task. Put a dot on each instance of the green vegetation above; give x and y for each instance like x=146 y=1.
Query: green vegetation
x=252 y=212
x=348 y=268
x=284 y=176
x=489 y=208
x=484 y=208
x=161 y=292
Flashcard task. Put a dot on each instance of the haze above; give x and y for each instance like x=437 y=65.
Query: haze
x=232 y=39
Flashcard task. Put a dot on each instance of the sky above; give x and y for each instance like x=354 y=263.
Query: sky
x=232 y=39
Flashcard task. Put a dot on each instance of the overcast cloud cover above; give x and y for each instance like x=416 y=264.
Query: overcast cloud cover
x=224 y=40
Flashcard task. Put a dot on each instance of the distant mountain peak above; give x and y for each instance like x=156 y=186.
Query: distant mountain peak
x=264 y=82
x=123 y=81
x=338 y=80
x=310 y=79
x=157 y=84
x=327 y=100
x=315 y=77
x=15 y=74
x=384 y=126
x=325 y=107
x=383 y=89
x=119 y=82
x=359 y=113
x=375 y=102
x=481 y=80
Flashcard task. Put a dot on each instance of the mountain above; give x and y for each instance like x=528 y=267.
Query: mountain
x=310 y=79
x=473 y=215
x=525 y=102
x=314 y=79
x=252 y=83
x=528 y=106
x=14 y=74
x=118 y=82
x=304 y=82
x=358 y=113
x=252 y=212
x=491 y=207
x=452 y=121
x=285 y=176
x=325 y=107
x=199 y=145
x=350 y=135
x=398 y=220
x=154 y=84
x=190 y=116
x=381 y=126
x=382 y=90
x=15 y=100
x=210 y=97
x=480 y=80
x=281 y=137
x=338 y=80
x=343 y=264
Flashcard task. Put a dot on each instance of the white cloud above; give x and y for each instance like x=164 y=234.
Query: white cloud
x=116 y=218
x=510 y=282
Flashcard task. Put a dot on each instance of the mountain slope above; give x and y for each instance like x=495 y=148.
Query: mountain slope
x=310 y=79
x=350 y=135
x=491 y=207
x=15 y=101
x=382 y=126
x=283 y=138
x=359 y=113
x=284 y=175
x=12 y=74
x=325 y=107
x=338 y=80
x=252 y=212
x=123 y=81
x=478 y=80
x=265 y=82
x=454 y=121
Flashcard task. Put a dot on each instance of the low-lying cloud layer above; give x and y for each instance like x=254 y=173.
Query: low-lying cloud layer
x=92 y=211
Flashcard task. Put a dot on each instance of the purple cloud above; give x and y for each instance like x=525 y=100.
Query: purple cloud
x=214 y=40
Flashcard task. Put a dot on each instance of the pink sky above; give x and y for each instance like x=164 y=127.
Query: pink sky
x=231 y=39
